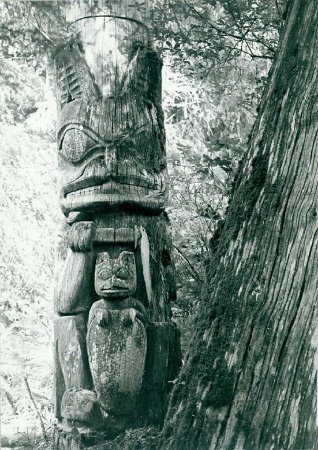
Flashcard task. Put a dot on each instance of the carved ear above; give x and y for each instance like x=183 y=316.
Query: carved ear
x=145 y=260
x=101 y=257
x=126 y=258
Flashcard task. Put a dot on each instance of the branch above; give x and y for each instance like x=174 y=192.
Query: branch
x=261 y=41
x=41 y=31
x=240 y=38
x=255 y=38
x=194 y=271
x=10 y=400
x=36 y=409
x=212 y=25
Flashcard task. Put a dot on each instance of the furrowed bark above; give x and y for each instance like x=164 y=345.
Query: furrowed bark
x=249 y=378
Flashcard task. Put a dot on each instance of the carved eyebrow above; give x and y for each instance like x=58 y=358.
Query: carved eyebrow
x=76 y=143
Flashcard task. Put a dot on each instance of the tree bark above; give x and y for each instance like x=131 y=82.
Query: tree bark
x=249 y=378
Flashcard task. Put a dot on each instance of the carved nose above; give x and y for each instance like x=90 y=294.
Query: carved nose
x=110 y=159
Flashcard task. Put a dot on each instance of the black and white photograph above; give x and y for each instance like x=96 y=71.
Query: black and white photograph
x=159 y=224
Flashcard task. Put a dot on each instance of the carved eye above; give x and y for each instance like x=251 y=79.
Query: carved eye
x=75 y=145
x=104 y=273
x=122 y=273
x=125 y=265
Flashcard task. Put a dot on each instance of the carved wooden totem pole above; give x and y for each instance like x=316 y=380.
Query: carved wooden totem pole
x=116 y=349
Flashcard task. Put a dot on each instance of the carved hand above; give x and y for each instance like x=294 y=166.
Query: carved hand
x=80 y=236
x=129 y=316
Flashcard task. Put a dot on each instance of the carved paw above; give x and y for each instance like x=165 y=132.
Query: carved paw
x=128 y=317
x=80 y=236
x=103 y=317
x=81 y=405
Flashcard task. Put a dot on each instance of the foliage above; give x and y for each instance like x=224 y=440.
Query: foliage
x=201 y=35
x=14 y=108
x=137 y=439
x=31 y=28
x=28 y=213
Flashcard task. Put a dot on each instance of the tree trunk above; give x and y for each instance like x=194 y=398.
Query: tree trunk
x=116 y=349
x=249 y=378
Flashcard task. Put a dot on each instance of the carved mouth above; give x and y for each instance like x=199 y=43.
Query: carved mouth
x=118 y=292
x=112 y=184
x=98 y=187
x=121 y=289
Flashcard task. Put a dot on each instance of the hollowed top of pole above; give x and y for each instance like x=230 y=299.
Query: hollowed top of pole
x=134 y=10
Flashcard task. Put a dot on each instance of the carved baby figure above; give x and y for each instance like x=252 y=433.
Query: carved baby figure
x=116 y=338
x=102 y=362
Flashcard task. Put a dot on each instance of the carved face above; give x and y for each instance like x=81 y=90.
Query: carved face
x=110 y=140
x=107 y=176
x=115 y=277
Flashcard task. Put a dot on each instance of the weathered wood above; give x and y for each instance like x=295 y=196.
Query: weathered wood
x=80 y=406
x=115 y=272
x=162 y=366
x=71 y=364
x=74 y=291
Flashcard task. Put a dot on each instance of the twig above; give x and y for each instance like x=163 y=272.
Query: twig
x=40 y=29
x=36 y=409
x=212 y=25
x=10 y=400
x=194 y=271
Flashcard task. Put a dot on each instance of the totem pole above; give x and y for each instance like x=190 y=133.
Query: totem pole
x=116 y=349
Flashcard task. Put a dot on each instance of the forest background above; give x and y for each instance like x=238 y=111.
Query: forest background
x=216 y=56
